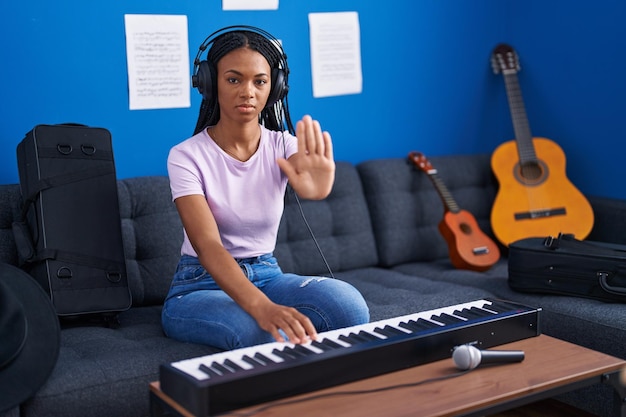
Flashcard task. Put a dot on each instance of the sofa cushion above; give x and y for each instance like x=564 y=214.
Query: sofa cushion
x=493 y=280
x=152 y=236
x=341 y=226
x=391 y=293
x=104 y=371
x=406 y=209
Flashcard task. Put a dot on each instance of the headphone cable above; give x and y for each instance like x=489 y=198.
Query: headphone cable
x=319 y=249
x=290 y=190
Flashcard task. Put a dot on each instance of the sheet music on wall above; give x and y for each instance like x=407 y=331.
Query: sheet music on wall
x=249 y=4
x=335 y=53
x=157 y=55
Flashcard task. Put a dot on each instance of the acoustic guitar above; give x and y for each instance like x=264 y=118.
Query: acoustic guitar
x=535 y=198
x=468 y=246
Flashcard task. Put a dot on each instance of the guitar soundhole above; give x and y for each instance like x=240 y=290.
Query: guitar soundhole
x=531 y=173
x=465 y=228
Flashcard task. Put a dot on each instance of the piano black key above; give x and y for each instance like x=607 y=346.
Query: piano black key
x=384 y=332
x=208 y=370
x=232 y=365
x=332 y=343
x=427 y=324
x=221 y=368
x=322 y=345
x=468 y=313
x=416 y=326
x=262 y=358
x=395 y=330
x=252 y=361
x=352 y=338
x=389 y=331
x=295 y=351
x=482 y=312
x=368 y=336
x=359 y=338
x=410 y=325
x=303 y=350
x=447 y=319
x=498 y=307
x=284 y=354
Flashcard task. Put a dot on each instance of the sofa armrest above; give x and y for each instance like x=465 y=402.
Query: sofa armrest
x=609 y=220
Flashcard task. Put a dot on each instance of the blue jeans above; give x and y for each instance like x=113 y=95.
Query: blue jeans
x=197 y=310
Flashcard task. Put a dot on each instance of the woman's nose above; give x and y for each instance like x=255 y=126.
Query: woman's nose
x=247 y=89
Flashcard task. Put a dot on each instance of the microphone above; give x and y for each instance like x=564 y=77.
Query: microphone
x=469 y=357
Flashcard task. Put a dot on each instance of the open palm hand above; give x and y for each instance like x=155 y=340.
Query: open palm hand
x=311 y=171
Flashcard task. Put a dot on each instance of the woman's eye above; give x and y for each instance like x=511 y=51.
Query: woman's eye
x=232 y=80
x=261 y=82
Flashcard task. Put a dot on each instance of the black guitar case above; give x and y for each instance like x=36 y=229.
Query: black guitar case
x=566 y=266
x=69 y=238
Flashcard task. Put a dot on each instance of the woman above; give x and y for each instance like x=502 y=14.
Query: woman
x=228 y=183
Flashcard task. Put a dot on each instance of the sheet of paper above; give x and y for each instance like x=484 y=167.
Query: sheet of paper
x=335 y=53
x=157 y=55
x=249 y=4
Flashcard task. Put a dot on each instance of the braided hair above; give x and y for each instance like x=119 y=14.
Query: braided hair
x=272 y=117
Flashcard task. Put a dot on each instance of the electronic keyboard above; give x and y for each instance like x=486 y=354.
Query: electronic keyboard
x=225 y=381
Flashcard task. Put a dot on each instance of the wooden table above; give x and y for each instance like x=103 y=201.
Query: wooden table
x=551 y=367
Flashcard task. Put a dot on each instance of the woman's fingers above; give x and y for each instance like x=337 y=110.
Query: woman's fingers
x=311 y=139
x=298 y=328
x=328 y=146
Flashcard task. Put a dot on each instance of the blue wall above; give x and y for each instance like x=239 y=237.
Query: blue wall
x=427 y=86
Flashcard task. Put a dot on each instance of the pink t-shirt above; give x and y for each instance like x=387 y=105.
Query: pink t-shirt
x=246 y=198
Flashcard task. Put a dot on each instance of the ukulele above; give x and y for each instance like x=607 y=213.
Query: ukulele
x=535 y=197
x=468 y=246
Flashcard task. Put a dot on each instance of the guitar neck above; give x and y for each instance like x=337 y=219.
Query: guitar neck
x=523 y=135
x=443 y=191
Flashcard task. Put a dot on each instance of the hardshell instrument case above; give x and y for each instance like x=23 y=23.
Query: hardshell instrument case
x=69 y=237
x=567 y=266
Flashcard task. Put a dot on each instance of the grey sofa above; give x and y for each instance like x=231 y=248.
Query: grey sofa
x=377 y=230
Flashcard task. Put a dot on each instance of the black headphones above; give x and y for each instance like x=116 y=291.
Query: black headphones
x=204 y=72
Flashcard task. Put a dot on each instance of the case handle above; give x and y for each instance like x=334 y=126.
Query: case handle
x=602 y=278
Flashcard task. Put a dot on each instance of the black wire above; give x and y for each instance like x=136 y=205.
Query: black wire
x=319 y=249
x=342 y=393
x=306 y=222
